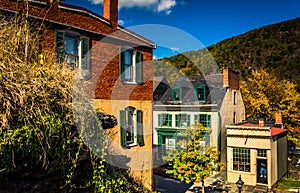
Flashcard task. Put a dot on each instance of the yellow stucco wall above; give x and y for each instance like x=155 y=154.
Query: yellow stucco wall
x=138 y=159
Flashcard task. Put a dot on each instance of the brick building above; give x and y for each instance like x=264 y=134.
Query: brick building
x=115 y=61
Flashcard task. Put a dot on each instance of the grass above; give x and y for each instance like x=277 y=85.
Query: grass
x=288 y=183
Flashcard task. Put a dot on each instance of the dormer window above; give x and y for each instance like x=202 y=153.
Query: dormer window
x=200 y=93
x=131 y=65
x=177 y=93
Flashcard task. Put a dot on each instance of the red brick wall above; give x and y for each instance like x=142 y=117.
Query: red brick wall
x=105 y=56
x=231 y=78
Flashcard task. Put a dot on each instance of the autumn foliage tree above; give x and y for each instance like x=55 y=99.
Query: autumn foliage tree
x=264 y=95
x=192 y=161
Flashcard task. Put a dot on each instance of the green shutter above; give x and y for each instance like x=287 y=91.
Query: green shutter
x=177 y=120
x=139 y=67
x=85 y=57
x=208 y=121
x=123 y=128
x=197 y=118
x=160 y=121
x=188 y=120
x=170 y=120
x=59 y=46
x=140 y=135
x=122 y=63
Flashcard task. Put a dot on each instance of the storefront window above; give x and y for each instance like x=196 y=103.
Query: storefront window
x=241 y=159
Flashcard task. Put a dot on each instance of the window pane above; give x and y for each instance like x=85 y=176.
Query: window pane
x=128 y=57
x=71 y=45
x=128 y=72
x=200 y=94
x=241 y=159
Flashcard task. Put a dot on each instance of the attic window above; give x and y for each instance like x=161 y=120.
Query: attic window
x=177 y=93
x=200 y=93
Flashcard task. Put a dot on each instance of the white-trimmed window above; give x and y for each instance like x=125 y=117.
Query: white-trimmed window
x=183 y=120
x=241 y=159
x=131 y=65
x=131 y=127
x=165 y=120
x=73 y=49
x=204 y=119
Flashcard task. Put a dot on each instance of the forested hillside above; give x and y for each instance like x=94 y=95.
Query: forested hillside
x=268 y=60
x=275 y=48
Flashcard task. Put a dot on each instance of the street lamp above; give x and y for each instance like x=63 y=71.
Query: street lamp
x=240 y=184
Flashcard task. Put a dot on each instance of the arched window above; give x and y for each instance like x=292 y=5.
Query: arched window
x=200 y=93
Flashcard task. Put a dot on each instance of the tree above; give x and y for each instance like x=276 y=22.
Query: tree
x=192 y=161
x=38 y=135
x=264 y=94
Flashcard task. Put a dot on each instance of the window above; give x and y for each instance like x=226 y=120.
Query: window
x=200 y=93
x=234 y=117
x=234 y=97
x=72 y=48
x=165 y=120
x=131 y=127
x=131 y=67
x=241 y=159
x=176 y=93
x=262 y=153
x=182 y=120
x=204 y=119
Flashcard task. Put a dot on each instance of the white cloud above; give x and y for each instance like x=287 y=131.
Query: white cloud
x=154 y=57
x=174 y=49
x=155 y=5
x=165 y=5
x=121 y=22
x=137 y=3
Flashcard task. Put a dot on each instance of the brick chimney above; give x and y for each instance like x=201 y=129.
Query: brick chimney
x=110 y=12
x=261 y=122
x=231 y=79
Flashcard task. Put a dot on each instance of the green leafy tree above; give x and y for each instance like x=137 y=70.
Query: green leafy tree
x=192 y=161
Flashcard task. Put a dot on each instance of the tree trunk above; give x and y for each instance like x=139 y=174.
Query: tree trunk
x=203 y=190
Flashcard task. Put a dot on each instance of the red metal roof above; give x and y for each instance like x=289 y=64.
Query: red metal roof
x=276 y=131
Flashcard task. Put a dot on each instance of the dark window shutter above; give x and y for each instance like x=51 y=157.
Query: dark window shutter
x=160 y=121
x=188 y=120
x=123 y=128
x=122 y=63
x=208 y=121
x=177 y=120
x=85 y=57
x=170 y=120
x=139 y=67
x=59 y=46
x=140 y=135
x=197 y=118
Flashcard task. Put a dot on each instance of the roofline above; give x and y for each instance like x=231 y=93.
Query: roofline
x=82 y=10
x=207 y=105
x=96 y=16
x=154 y=45
x=78 y=28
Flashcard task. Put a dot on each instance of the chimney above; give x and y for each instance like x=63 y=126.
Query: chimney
x=231 y=79
x=261 y=122
x=278 y=119
x=110 y=12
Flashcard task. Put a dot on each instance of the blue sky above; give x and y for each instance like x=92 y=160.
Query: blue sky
x=181 y=25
